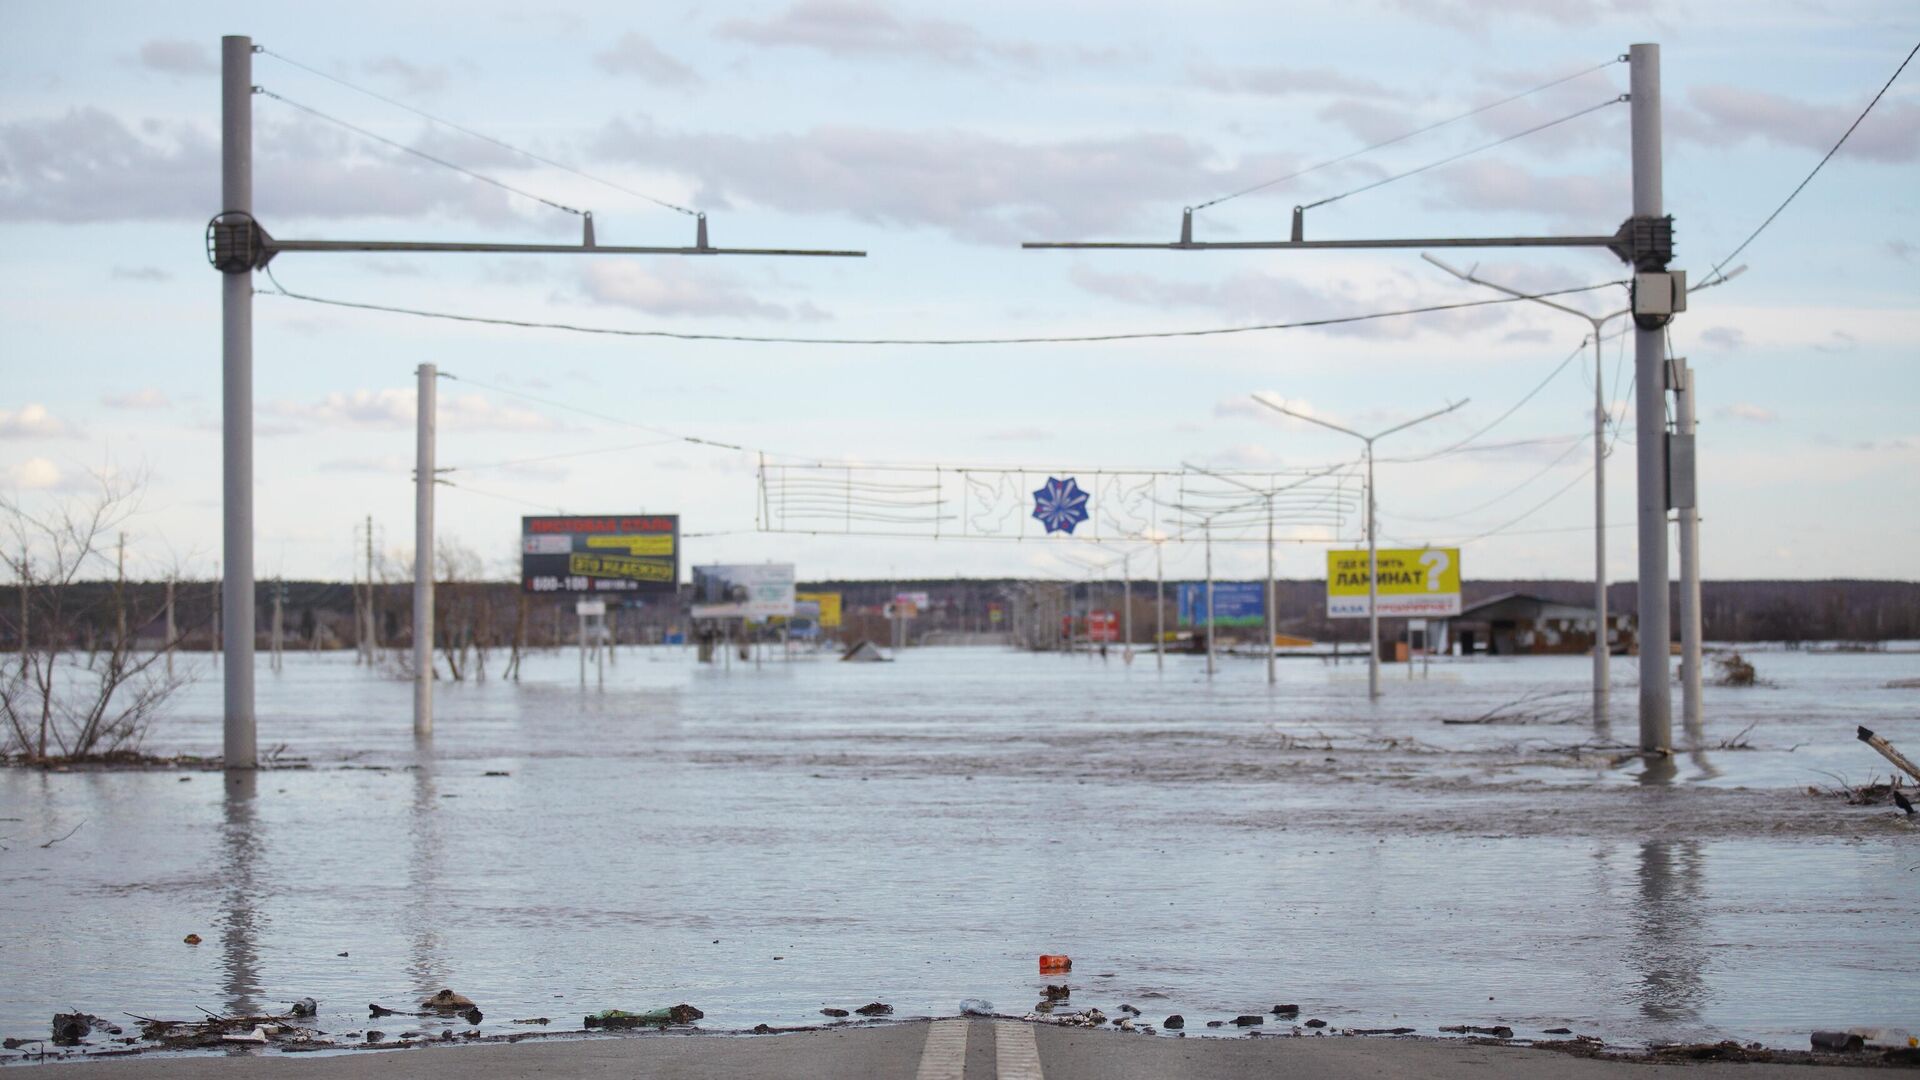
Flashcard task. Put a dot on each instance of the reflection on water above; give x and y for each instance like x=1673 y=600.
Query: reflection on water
x=241 y=841
x=427 y=964
x=1668 y=944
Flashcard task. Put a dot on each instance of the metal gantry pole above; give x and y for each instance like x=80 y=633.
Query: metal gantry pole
x=1159 y=610
x=423 y=480
x=1656 y=696
x=1690 y=674
x=1272 y=649
x=240 y=740
x=1373 y=589
x=1602 y=648
x=1126 y=607
x=1207 y=531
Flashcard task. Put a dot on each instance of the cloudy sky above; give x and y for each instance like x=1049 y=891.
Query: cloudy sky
x=936 y=138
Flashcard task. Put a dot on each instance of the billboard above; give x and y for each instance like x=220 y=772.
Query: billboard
x=1103 y=626
x=1413 y=582
x=1235 y=603
x=829 y=607
x=751 y=591
x=602 y=553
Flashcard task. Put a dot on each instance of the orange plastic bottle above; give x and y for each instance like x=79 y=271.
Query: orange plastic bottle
x=1055 y=964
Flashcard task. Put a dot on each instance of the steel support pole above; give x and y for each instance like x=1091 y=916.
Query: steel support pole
x=1159 y=611
x=1656 y=697
x=1126 y=608
x=1690 y=674
x=1271 y=648
x=1207 y=530
x=240 y=742
x=1602 y=690
x=1373 y=590
x=423 y=476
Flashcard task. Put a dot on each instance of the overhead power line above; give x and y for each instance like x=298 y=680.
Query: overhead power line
x=1822 y=163
x=1451 y=158
x=416 y=152
x=683 y=335
x=1435 y=126
x=481 y=135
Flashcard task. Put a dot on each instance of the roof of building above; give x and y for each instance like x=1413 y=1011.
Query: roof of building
x=1517 y=602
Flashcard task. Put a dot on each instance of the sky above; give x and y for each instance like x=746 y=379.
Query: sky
x=936 y=139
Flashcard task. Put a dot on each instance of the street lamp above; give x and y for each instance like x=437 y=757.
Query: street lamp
x=1373 y=584
x=1689 y=591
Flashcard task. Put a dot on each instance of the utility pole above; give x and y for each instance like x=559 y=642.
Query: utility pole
x=1126 y=606
x=1602 y=682
x=1206 y=531
x=1644 y=241
x=170 y=626
x=237 y=245
x=273 y=656
x=1373 y=561
x=1687 y=503
x=240 y=746
x=423 y=480
x=1159 y=610
x=1650 y=399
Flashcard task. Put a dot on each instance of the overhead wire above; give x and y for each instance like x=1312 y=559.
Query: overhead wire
x=1451 y=158
x=416 y=152
x=481 y=135
x=1408 y=135
x=1495 y=422
x=683 y=335
x=1844 y=136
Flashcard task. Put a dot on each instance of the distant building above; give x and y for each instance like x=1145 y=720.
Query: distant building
x=1518 y=624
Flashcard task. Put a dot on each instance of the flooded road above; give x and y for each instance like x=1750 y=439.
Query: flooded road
x=765 y=841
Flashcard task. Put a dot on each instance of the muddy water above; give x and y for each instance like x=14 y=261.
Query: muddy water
x=765 y=841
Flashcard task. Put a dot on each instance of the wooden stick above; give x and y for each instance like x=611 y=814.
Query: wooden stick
x=1887 y=751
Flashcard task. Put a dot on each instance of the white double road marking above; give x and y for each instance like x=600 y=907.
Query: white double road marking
x=945 y=1057
x=1016 y=1056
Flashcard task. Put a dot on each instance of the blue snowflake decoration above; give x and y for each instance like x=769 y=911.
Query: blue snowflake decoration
x=1060 y=505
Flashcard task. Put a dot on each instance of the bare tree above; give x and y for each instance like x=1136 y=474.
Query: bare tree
x=60 y=701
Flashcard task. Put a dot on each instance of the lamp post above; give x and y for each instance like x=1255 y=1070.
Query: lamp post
x=1373 y=585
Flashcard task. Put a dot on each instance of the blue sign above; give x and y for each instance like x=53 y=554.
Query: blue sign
x=1235 y=603
x=1060 y=505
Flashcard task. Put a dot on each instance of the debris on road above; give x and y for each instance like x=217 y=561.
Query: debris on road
x=1382 y=1031
x=448 y=1001
x=1286 y=1010
x=1058 y=991
x=1887 y=751
x=1726 y=1050
x=306 y=1006
x=191 y=939
x=875 y=1009
x=1498 y=1031
x=1248 y=1020
x=836 y=1013
x=669 y=1016
x=1174 y=1022
x=1055 y=963
x=976 y=1007
x=1734 y=671
x=380 y=1010
x=1845 y=1041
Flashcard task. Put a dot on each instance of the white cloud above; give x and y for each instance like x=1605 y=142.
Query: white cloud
x=32 y=421
x=146 y=398
x=1285 y=81
x=413 y=78
x=685 y=291
x=868 y=28
x=1728 y=338
x=177 y=57
x=1743 y=410
x=393 y=409
x=1722 y=115
x=635 y=55
x=34 y=474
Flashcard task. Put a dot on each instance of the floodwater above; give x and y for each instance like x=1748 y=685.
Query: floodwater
x=765 y=840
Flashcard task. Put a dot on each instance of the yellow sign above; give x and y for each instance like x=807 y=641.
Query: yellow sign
x=1413 y=582
x=829 y=607
x=635 y=545
x=619 y=566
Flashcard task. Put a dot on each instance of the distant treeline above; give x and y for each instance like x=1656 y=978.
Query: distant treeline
x=318 y=614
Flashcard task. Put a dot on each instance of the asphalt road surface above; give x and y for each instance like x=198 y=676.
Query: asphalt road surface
x=937 y=1050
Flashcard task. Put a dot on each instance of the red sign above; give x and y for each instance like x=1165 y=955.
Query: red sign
x=1103 y=626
